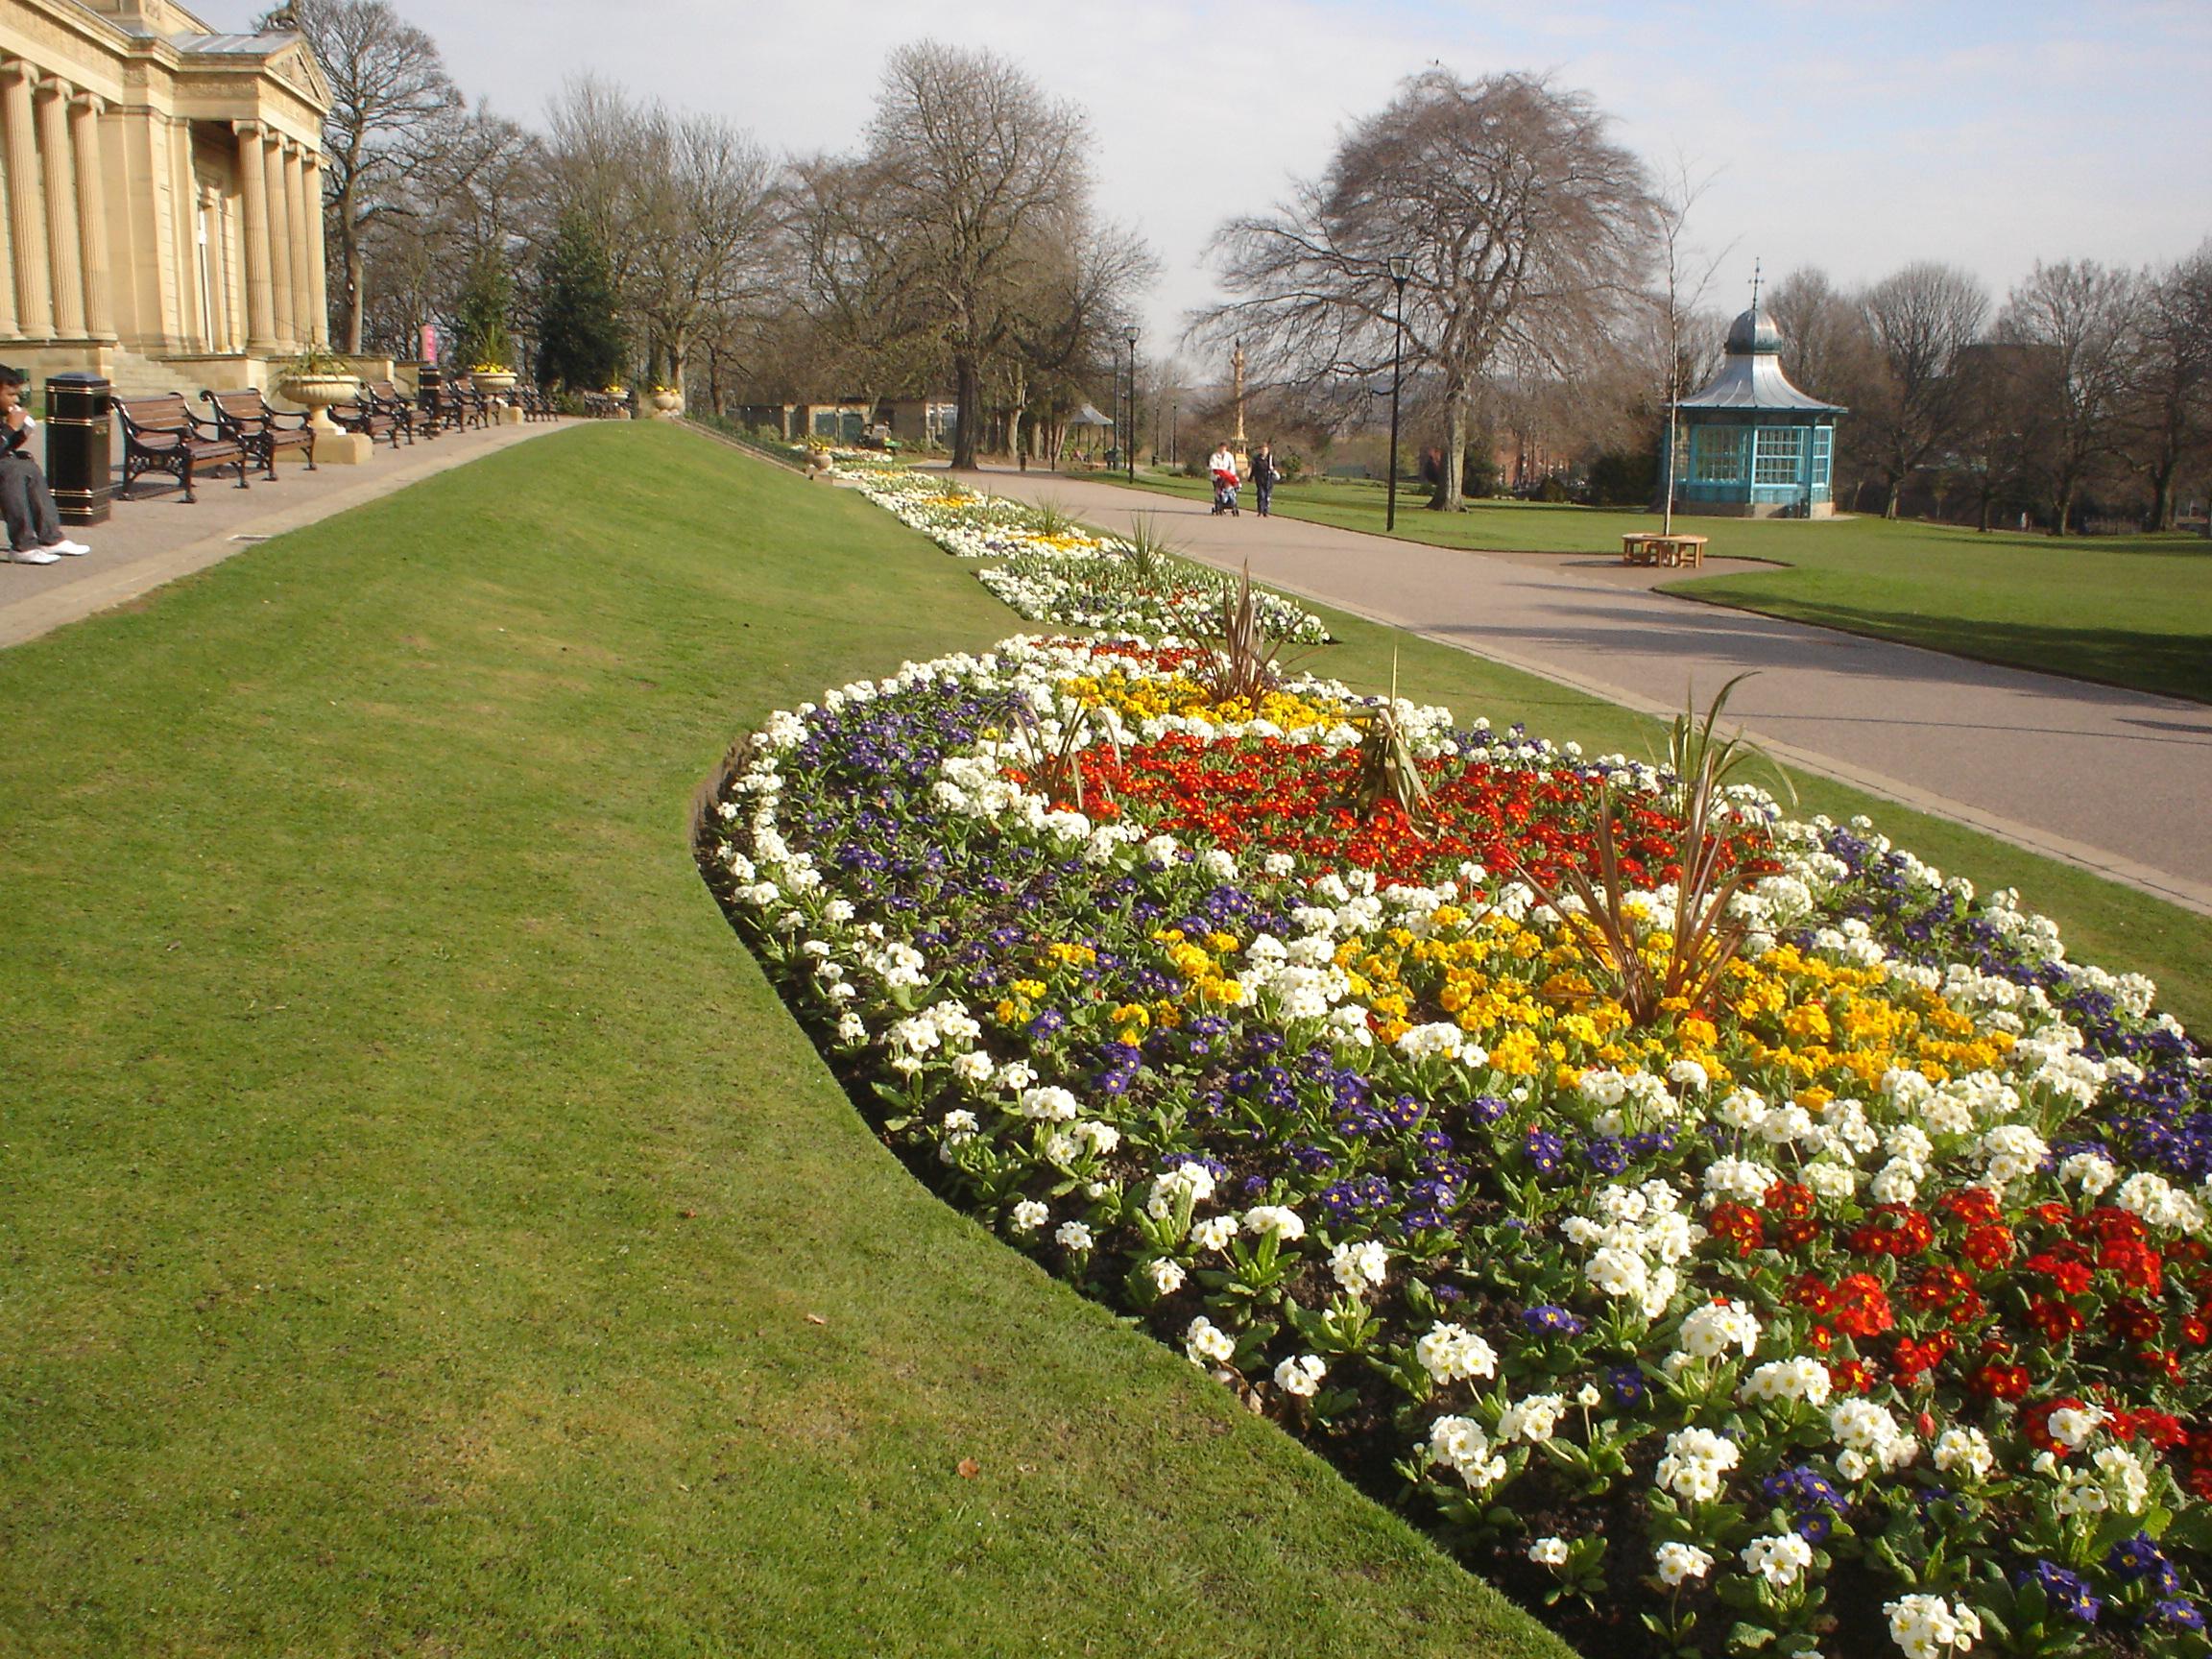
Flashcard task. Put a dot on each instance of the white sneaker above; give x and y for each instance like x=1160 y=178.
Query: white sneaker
x=32 y=556
x=68 y=549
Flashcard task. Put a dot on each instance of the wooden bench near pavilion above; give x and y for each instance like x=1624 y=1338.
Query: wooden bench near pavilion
x=1650 y=547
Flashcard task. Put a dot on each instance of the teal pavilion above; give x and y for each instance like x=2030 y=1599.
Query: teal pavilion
x=1752 y=445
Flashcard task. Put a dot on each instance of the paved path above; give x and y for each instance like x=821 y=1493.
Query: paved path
x=2117 y=782
x=159 y=537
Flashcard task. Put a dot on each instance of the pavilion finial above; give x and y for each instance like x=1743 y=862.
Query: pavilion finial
x=1754 y=283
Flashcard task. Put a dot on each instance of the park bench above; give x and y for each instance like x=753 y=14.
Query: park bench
x=162 y=435
x=381 y=411
x=245 y=419
x=1648 y=548
x=605 y=406
x=536 y=404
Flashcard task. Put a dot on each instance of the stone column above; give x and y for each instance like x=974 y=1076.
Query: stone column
x=260 y=305
x=8 y=327
x=51 y=98
x=318 y=276
x=306 y=230
x=26 y=220
x=85 y=110
x=279 y=240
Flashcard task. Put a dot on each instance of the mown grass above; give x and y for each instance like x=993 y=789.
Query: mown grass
x=2129 y=611
x=424 y=1230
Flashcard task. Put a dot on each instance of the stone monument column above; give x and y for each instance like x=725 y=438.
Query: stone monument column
x=84 y=111
x=279 y=239
x=26 y=221
x=7 y=327
x=51 y=96
x=318 y=276
x=260 y=305
x=306 y=230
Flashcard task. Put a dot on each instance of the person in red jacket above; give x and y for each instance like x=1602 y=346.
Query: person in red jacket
x=34 y=528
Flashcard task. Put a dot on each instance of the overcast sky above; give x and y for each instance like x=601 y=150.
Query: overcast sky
x=1854 y=134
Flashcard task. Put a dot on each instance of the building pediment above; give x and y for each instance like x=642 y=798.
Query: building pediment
x=295 y=66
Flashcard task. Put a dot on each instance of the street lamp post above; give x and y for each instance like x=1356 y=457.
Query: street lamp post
x=1129 y=455
x=1175 y=441
x=1401 y=273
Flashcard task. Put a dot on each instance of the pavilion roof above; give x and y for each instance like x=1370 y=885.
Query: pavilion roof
x=1752 y=377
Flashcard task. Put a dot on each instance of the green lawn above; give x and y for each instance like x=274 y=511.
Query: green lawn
x=425 y=1233
x=424 y=1230
x=2127 y=610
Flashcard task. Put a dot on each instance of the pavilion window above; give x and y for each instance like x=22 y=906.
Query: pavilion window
x=1716 y=455
x=1778 y=458
x=1823 y=455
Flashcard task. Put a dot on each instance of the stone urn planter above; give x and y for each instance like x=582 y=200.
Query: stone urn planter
x=666 y=406
x=496 y=381
x=319 y=391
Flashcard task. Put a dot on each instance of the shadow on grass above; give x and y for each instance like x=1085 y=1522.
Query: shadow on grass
x=2172 y=664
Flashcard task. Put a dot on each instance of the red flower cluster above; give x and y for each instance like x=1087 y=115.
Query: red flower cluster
x=1294 y=798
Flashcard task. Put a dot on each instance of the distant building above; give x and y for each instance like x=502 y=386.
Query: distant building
x=163 y=212
x=1753 y=446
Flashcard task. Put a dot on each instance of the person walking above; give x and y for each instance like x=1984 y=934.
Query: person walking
x=1222 y=464
x=1265 y=475
x=34 y=528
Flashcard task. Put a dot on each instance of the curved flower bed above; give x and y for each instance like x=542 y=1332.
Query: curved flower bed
x=1059 y=573
x=1861 y=1302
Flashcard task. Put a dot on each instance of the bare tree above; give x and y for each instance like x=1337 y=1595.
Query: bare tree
x=1685 y=277
x=1921 y=319
x=389 y=93
x=1824 y=347
x=1526 y=229
x=2076 y=319
x=2166 y=413
x=965 y=157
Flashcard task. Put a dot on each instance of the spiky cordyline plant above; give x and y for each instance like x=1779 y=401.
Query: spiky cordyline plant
x=1385 y=767
x=1246 y=661
x=1059 y=766
x=1703 y=938
x=1051 y=518
x=1149 y=550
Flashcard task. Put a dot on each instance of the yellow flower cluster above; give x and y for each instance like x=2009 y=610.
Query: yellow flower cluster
x=1151 y=696
x=1537 y=1004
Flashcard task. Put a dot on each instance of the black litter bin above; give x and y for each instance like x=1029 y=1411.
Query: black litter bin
x=78 y=446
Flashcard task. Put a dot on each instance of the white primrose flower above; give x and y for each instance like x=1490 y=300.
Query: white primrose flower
x=1534 y=1419
x=1549 y=1551
x=1680 y=1562
x=1780 y=1558
x=1029 y=1216
x=1870 y=1436
x=1207 y=1343
x=1284 y=1223
x=1301 y=1376
x=1930 y=1627
x=2071 y=1426
x=1696 y=1464
x=1713 y=1329
x=1965 y=1452
x=1051 y=1105
x=1195 y=1179
x=1453 y=1353
x=1167 y=1275
x=1359 y=1267
x=1802 y=1377
x=1073 y=1236
x=1214 y=1232
x=1460 y=1444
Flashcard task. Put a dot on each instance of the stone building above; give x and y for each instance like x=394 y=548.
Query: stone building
x=163 y=220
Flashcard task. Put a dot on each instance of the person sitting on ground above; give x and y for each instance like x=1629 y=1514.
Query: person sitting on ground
x=1222 y=464
x=34 y=528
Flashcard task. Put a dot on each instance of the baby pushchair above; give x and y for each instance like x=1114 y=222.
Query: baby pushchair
x=1224 y=494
